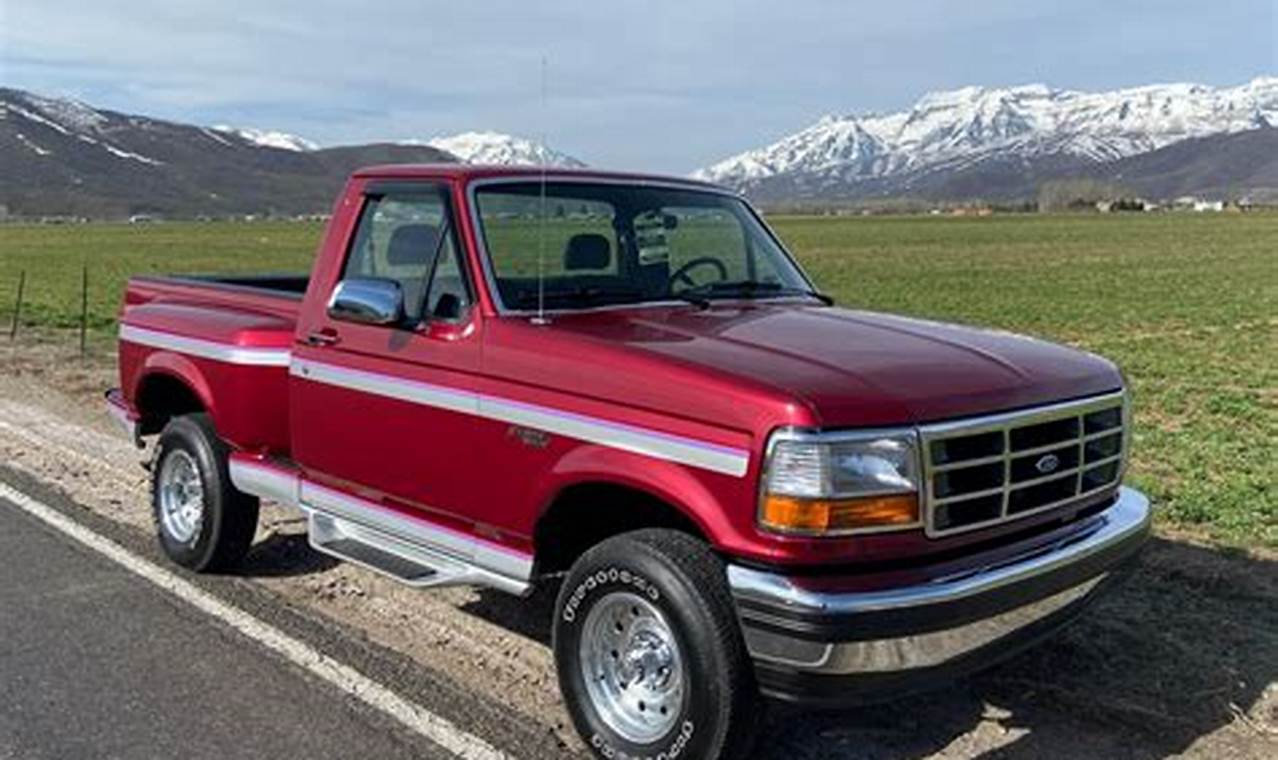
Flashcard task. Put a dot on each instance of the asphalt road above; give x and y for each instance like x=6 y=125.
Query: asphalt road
x=96 y=662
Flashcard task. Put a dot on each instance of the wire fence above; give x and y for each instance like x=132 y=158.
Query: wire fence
x=19 y=301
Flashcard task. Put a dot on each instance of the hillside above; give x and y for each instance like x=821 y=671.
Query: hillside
x=63 y=157
x=1220 y=166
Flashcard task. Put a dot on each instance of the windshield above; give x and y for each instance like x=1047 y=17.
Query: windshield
x=600 y=244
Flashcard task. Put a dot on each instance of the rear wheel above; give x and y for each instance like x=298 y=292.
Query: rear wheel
x=202 y=521
x=649 y=652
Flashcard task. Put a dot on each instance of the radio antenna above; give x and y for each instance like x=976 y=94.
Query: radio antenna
x=540 y=319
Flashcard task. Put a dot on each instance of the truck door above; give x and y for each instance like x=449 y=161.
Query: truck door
x=378 y=407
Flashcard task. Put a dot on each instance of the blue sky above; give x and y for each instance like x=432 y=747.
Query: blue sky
x=662 y=86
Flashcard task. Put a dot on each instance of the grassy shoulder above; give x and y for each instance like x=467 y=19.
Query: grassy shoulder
x=1186 y=304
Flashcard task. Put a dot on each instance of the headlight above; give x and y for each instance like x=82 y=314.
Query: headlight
x=840 y=483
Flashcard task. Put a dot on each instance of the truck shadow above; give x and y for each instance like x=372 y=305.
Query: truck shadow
x=284 y=555
x=1188 y=642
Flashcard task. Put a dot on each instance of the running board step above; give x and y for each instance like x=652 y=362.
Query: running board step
x=405 y=562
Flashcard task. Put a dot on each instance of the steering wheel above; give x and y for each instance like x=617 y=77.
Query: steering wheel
x=681 y=274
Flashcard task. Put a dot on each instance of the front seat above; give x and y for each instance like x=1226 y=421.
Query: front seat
x=410 y=255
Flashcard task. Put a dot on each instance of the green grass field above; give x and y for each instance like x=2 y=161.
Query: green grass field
x=1187 y=304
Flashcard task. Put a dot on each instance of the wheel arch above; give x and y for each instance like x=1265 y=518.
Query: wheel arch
x=168 y=386
x=587 y=504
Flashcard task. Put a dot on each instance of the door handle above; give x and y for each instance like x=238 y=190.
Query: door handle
x=325 y=337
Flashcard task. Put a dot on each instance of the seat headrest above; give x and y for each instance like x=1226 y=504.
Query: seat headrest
x=412 y=244
x=588 y=250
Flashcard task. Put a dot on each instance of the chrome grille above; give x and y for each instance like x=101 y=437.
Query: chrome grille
x=995 y=469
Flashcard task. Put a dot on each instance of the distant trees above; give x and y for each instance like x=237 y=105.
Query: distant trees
x=1076 y=194
x=1128 y=204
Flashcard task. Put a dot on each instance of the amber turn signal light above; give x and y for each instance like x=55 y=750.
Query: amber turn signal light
x=789 y=514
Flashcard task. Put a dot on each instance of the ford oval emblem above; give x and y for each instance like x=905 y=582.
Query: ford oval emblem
x=1047 y=464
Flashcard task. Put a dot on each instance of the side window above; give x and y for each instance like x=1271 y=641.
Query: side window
x=407 y=237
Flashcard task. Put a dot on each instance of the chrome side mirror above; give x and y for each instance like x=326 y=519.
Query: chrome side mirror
x=367 y=300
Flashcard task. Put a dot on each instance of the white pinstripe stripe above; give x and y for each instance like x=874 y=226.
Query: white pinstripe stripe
x=207 y=349
x=672 y=448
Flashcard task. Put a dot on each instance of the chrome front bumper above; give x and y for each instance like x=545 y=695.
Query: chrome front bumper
x=838 y=647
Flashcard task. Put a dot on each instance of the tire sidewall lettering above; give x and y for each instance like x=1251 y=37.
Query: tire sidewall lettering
x=675 y=750
x=611 y=575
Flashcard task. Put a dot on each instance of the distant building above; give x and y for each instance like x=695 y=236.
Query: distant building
x=1194 y=203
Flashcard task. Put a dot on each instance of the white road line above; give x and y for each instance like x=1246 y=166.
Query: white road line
x=417 y=718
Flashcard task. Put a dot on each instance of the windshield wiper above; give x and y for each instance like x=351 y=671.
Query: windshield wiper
x=750 y=289
x=698 y=301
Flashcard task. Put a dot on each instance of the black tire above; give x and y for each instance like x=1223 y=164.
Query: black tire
x=687 y=584
x=229 y=519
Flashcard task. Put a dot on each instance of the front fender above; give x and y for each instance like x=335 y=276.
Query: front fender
x=676 y=485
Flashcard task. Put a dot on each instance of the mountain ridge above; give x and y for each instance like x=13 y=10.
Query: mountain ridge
x=953 y=131
x=63 y=157
x=503 y=150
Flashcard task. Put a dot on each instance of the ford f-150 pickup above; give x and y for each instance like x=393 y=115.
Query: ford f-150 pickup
x=625 y=385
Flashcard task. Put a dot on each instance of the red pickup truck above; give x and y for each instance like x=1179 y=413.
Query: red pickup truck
x=626 y=385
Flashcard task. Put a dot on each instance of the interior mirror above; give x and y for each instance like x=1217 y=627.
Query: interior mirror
x=368 y=300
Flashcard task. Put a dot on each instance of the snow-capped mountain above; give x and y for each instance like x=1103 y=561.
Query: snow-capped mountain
x=61 y=156
x=50 y=120
x=495 y=148
x=269 y=138
x=962 y=130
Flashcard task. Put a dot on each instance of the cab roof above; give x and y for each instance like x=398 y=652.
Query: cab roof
x=468 y=172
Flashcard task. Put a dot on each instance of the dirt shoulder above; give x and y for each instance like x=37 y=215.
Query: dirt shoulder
x=1182 y=659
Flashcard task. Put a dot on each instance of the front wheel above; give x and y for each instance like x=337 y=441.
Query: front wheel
x=649 y=652
x=202 y=521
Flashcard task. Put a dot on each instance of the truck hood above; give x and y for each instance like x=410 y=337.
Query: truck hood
x=858 y=368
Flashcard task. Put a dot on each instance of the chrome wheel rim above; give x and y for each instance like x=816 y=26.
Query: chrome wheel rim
x=632 y=667
x=181 y=496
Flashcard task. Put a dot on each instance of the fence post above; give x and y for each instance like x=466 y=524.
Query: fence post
x=84 y=309
x=17 y=306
